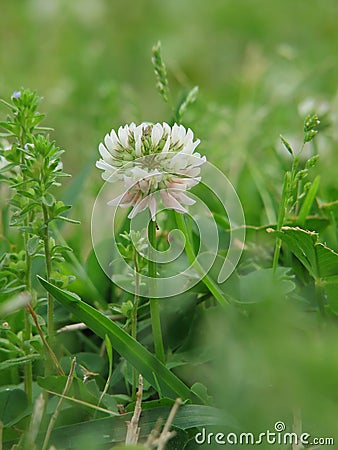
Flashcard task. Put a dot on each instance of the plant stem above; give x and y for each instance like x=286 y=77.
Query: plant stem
x=59 y=405
x=48 y=261
x=281 y=218
x=154 y=306
x=134 y=316
x=189 y=248
x=27 y=332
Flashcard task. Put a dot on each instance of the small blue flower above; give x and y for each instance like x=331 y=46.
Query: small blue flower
x=16 y=94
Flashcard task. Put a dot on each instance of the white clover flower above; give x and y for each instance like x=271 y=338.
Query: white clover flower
x=150 y=160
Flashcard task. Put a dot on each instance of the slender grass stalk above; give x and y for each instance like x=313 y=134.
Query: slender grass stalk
x=134 y=317
x=281 y=218
x=51 y=354
x=154 y=306
x=189 y=248
x=27 y=332
x=59 y=405
x=48 y=262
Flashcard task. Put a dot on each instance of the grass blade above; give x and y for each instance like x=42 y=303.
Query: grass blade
x=150 y=367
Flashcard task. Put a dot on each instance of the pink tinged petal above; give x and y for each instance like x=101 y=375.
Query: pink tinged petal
x=170 y=202
x=156 y=134
x=139 y=207
x=120 y=200
x=125 y=200
x=181 y=197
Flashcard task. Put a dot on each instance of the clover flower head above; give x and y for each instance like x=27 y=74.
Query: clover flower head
x=153 y=161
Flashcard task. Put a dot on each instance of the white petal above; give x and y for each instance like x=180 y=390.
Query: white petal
x=114 y=138
x=138 y=132
x=175 y=133
x=166 y=145
x=189 y=136
x=104 y=153
x=108 y=142
x=190 y=147
x=152 y=204
x=123 y=136
x=166 y=128
x=101 y=164
x=138 y=146
x=156 y=134
x=132 y=127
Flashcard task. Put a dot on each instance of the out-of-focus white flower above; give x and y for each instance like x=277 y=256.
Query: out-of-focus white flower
x=151 y=159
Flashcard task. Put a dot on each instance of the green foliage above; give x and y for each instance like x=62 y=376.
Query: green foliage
x=152 y=369
x=260 y=345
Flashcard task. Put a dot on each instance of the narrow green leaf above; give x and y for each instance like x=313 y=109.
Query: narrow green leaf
x=109 y=351
x=309 y=199
x=67 y=219
x=111 y=430
x=18 y=361
x=129 y=348
x=286 y=145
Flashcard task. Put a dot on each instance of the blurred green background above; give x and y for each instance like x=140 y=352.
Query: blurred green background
x=254 y=61
x=261 y=66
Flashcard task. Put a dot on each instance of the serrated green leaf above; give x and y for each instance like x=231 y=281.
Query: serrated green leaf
x=317 y=258
x=146 y=363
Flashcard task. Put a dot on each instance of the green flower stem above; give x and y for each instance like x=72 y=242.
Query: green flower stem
x=189 y=248
x=48 y=261
x=134 y=318
x=27 y=332
x=281 y=218
x=154 y=306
